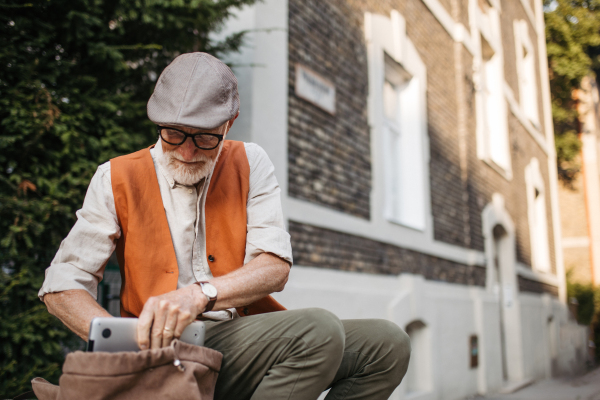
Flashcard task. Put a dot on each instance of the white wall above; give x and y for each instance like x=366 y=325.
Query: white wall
x=262 y=71
x=452 y=313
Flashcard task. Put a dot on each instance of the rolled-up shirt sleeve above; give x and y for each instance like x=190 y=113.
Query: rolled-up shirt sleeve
x=84 y=253
x=266 y=228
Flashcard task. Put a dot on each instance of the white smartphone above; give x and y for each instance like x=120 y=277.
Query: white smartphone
x=119 y=334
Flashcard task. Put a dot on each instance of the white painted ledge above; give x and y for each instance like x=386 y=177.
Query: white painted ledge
x=538 y=276
x=322 y=217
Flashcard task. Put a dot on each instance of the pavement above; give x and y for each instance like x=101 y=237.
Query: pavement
x=586 y=387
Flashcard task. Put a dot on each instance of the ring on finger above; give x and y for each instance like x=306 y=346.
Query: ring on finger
x=167 y=329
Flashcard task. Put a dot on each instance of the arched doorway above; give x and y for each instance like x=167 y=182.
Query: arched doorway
x=499 y=233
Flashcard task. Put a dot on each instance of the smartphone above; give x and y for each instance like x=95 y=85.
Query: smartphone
x=119 y=334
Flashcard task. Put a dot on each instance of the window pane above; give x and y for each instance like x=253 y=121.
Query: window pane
x=390 y=101
x=529 y=88
x=495 y=111
x=541 y=249
x=393 y=172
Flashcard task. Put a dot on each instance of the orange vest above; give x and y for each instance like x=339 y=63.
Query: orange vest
x=145 y=249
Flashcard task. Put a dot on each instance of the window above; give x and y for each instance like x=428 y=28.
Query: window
x=402 y=147
x=492 y=126
x=398 y=115
x=526 y=72
x=538 y=220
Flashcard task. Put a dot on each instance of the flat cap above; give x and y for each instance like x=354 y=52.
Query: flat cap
x=196 y=90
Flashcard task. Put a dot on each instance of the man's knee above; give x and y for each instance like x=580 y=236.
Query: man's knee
x=325 y=332
x=396 y=346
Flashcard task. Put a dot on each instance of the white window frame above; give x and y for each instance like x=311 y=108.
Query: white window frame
x=400 y=148
x=526 y=71
x=493 y=145
x=537 y=218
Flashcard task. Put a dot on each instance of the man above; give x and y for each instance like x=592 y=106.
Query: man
x=198 y=229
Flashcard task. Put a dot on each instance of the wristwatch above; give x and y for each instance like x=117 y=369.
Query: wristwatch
x=210 y=292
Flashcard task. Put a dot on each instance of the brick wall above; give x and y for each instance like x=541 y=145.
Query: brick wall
x=324 y=248
x=574 y=223
x=324 y=36
x=574 y=220
x=329 y=156
x=528 y=285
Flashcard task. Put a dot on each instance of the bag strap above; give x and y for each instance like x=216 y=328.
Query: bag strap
x=25 y=396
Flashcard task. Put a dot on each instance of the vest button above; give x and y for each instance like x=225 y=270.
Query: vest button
x=211 y=258
x=246 y=311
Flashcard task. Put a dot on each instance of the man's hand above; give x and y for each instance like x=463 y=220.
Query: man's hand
x=165 y=317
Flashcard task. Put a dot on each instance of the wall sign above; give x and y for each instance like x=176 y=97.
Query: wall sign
x=315 y=89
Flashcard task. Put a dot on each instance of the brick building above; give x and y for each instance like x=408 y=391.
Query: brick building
x=580 y=199
x=413 y=144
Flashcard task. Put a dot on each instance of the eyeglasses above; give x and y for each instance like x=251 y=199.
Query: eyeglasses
x=176 y=137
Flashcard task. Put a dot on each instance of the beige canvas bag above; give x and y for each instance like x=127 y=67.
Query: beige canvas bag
x=181 y=371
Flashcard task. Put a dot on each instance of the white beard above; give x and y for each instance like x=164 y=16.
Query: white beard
x=186 y=174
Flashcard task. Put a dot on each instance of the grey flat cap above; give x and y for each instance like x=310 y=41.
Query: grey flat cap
x=196 y=90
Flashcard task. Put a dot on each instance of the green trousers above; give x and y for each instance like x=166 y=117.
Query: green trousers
x=297 y=354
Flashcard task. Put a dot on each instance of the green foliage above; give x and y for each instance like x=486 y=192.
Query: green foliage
x=33 y=343
x=586 y=301
x=75 y=77
x=568 y=147
x=588 y=307
x=573 y=44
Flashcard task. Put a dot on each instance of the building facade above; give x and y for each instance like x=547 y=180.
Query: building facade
x=580 y=198
x=413 y=143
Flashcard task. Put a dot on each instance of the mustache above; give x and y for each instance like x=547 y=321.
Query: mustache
x=172 y=154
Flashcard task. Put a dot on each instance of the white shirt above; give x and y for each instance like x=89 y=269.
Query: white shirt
x=84 y=253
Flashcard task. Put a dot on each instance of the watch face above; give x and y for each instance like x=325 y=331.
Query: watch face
x=209 y=290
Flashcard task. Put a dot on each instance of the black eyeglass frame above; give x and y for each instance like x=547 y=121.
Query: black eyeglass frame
x=192 y=136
